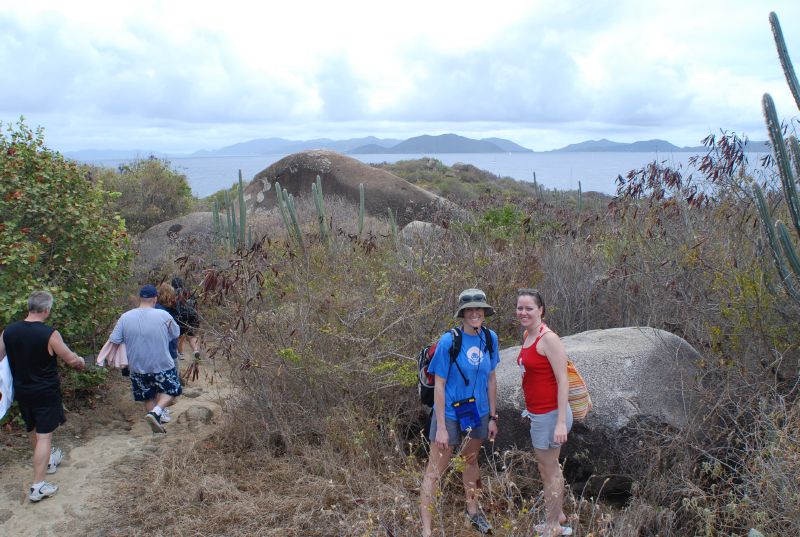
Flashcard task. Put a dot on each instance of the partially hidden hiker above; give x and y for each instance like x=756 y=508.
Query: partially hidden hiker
x=166 y=301
x=543 y=362
x=32 y=348
x=188 y=318
x=146 y=332
x=464 y=405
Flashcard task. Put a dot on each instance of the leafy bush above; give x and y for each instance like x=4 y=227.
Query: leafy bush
x=57 y=232
x=151 y=192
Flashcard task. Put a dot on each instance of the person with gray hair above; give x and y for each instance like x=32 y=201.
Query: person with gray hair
x=32 y=348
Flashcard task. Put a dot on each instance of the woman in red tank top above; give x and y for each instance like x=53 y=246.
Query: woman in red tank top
x=543 y=362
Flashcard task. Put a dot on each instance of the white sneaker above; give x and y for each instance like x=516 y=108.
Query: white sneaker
x=44 y=491
x=55 y=459
x=165 y=417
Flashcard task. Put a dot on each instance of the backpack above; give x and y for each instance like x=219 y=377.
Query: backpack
x=185 y=306
x=579 y=399
x=427 y=379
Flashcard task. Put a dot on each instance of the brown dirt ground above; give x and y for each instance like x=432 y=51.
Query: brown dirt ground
x=101 y=444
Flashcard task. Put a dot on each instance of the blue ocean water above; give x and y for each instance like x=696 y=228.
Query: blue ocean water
x=595 y=171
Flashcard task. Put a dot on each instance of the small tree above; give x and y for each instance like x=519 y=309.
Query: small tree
x=57 y=232
x=151 y=192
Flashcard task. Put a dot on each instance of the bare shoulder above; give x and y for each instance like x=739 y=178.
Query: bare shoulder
x=550 y=341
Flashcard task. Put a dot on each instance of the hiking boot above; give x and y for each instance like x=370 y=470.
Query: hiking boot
x=55 y=460
x=44 y=491
x=479 y=522
x=540 y=529
x=165 y=416
x=154 y=422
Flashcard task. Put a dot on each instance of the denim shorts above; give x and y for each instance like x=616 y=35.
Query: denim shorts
x=543 y=427
x=146 y=386
x=454 y=430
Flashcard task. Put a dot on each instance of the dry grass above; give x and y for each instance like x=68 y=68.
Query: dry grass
x=323 y=436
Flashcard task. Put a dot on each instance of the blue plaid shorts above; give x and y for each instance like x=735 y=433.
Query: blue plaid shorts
x=145 y=386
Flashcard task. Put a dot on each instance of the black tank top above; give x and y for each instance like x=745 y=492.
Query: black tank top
x=34 y=369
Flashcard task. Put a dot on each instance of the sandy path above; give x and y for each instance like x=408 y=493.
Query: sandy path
x=90 y=471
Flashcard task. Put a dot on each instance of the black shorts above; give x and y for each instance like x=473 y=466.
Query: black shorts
x=189 y=326
x=45 y=418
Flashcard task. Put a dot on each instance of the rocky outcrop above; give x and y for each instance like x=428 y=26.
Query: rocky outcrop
x=420 y=232
x=190 y=234
x=635 y=376
x=341 y=176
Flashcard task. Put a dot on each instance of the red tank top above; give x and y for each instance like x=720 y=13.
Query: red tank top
x=538 y=380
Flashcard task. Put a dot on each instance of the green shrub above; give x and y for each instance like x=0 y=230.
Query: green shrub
x=57 y=232
x=151 y=192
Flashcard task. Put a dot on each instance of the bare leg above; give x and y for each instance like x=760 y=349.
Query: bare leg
x=437 y=464
x=162 y=399
x=41 y=454
x=553 y=481
x=471 y=475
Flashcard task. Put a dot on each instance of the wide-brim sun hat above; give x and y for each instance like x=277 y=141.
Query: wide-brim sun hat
x=473 y=298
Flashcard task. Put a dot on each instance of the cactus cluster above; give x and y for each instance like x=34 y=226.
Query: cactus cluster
x=787 y=157
x=232 y=232
x=289 y=215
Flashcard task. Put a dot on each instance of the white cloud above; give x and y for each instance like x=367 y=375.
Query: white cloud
x=176 y=73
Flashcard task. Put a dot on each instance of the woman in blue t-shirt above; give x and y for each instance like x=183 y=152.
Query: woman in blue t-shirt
x=464 y=405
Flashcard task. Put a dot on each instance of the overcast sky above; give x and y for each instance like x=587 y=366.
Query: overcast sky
x=178 y=76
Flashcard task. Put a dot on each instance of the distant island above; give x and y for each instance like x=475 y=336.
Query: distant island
x=646 y=146
x=418 y=145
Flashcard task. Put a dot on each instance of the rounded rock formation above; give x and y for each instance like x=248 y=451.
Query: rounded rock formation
x=341 y=176
x=635 y=376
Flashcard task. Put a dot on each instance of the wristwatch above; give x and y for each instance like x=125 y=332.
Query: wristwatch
x=494 y=418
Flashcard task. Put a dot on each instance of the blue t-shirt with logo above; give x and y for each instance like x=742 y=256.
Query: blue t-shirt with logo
x=475 y=363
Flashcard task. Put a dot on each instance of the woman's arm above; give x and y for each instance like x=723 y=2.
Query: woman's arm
x=442 y=438
x=492 y=405
x=551 y=346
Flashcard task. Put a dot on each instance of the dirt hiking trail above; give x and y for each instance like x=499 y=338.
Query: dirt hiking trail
x=102 y=449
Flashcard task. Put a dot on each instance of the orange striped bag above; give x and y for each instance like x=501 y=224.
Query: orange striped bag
x=579 y=399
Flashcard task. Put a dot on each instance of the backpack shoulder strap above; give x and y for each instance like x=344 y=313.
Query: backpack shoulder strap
x=487 y=335
x=455 y=348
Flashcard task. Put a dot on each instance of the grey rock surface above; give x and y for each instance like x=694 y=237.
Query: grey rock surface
x=189 y=234
x=634 y=375
x=420 y=232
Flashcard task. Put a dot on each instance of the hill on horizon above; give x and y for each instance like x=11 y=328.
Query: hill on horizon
x=646 y=146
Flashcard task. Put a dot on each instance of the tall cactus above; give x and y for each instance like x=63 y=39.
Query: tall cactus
x=392 y=223
x=316 y=191
x=781 y=244
x=360 y=208
x=242 y=213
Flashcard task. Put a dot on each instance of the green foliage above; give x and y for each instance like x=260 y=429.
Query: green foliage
x=78 y=381
x=58 y=232
x=461 y=182
x=151 y=192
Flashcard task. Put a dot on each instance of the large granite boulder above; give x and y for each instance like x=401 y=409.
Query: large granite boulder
x=341 y=176
x=157 y=247
x=637 y=377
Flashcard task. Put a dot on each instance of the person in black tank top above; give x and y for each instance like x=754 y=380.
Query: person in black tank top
x=32 y=347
